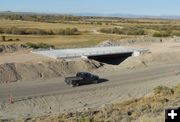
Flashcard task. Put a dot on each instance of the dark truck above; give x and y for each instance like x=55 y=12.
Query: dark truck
x=81 y=78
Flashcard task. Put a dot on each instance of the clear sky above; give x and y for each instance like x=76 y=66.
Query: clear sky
x=138 y=7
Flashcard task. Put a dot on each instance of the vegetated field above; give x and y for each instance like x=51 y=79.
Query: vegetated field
x=62 y=41
x=44 y=25
x=90 y=30
x=86 y=38
x=158 y=28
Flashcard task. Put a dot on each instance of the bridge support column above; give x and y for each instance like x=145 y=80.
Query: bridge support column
x=136 y=53
x=84 y=57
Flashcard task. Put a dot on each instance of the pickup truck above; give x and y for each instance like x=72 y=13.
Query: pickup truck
x=81 y=78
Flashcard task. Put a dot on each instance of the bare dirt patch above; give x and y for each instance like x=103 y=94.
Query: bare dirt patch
x=28 y=66
x=149 y=109
x=78 y=102
x=24 y=70
x=11 y=72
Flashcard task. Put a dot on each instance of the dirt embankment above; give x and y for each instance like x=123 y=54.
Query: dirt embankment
x=151 y=59
x=149 y=39
x=11 y=48
x=137 y=40
x=8 y=73
x=46 y=68
x=144 y=109
x=11 y=72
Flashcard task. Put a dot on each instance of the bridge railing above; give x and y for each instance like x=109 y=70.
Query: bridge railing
x=94 y=53
x=86 y=52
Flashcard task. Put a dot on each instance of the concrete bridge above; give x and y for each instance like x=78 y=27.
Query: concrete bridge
x=90 y=52
x=111 y=55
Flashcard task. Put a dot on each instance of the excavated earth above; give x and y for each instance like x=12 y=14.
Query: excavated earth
x=27 y=67
x=18 y=64
x=11 y=72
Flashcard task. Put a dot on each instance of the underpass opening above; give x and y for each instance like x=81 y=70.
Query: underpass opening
x=113 y=59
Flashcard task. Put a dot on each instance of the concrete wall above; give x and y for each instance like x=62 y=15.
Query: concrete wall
x=136 y=53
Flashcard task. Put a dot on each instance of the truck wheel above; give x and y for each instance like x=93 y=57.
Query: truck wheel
x=72 y=85
x=96 y=82
x=77 y=84
x=67 y=82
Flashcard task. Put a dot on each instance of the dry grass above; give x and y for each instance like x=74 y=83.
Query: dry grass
x=46 y=26
x=63 y=41
x=145 y=109
x=88 y=37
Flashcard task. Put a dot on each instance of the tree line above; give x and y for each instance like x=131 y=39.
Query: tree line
x=34 y=31
x=123 y=31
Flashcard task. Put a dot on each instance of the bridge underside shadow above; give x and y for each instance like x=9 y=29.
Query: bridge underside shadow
x=114 y=59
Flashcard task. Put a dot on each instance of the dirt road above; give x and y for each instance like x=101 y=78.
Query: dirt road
x=57 y=85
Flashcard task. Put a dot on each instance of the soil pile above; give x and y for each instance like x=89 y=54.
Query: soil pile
x=8 y=73
x=151 y=59
x=11 y=72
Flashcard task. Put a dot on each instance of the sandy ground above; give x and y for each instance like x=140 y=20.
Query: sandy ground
x=29 y=57
x=160 y=47
x=22 y=57
x=162 y=53
x=83 y=99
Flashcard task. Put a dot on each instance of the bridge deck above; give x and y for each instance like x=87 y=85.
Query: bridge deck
x=79 y=52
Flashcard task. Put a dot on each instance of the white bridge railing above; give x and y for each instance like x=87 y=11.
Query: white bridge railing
x=93 y=53
x=79 y=52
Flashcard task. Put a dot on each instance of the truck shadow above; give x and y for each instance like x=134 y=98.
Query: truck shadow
x=102 y=80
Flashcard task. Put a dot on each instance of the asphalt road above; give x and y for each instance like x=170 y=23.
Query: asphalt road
x=24 y=90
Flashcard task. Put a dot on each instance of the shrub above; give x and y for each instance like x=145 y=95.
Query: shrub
x=61 y=32
x=67 y=31
x=10 y=40
x=37 y=46
x=16 y=31
x=74 y=31
x=30 y=31
x=99 y=23
x=124 y=31
x=177 y=89
x=140 y=32
x=17 y=39
x=106 y=23
x=161 y=34
x=163 y=90
x=175 y=33
x=157 y=34
x=41 y=32
x=3 y=38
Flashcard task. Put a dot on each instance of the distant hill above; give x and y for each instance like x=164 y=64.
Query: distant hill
x=98 y=15
x=128 y=16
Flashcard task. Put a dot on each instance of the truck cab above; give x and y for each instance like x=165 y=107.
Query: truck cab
x=81 y=78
